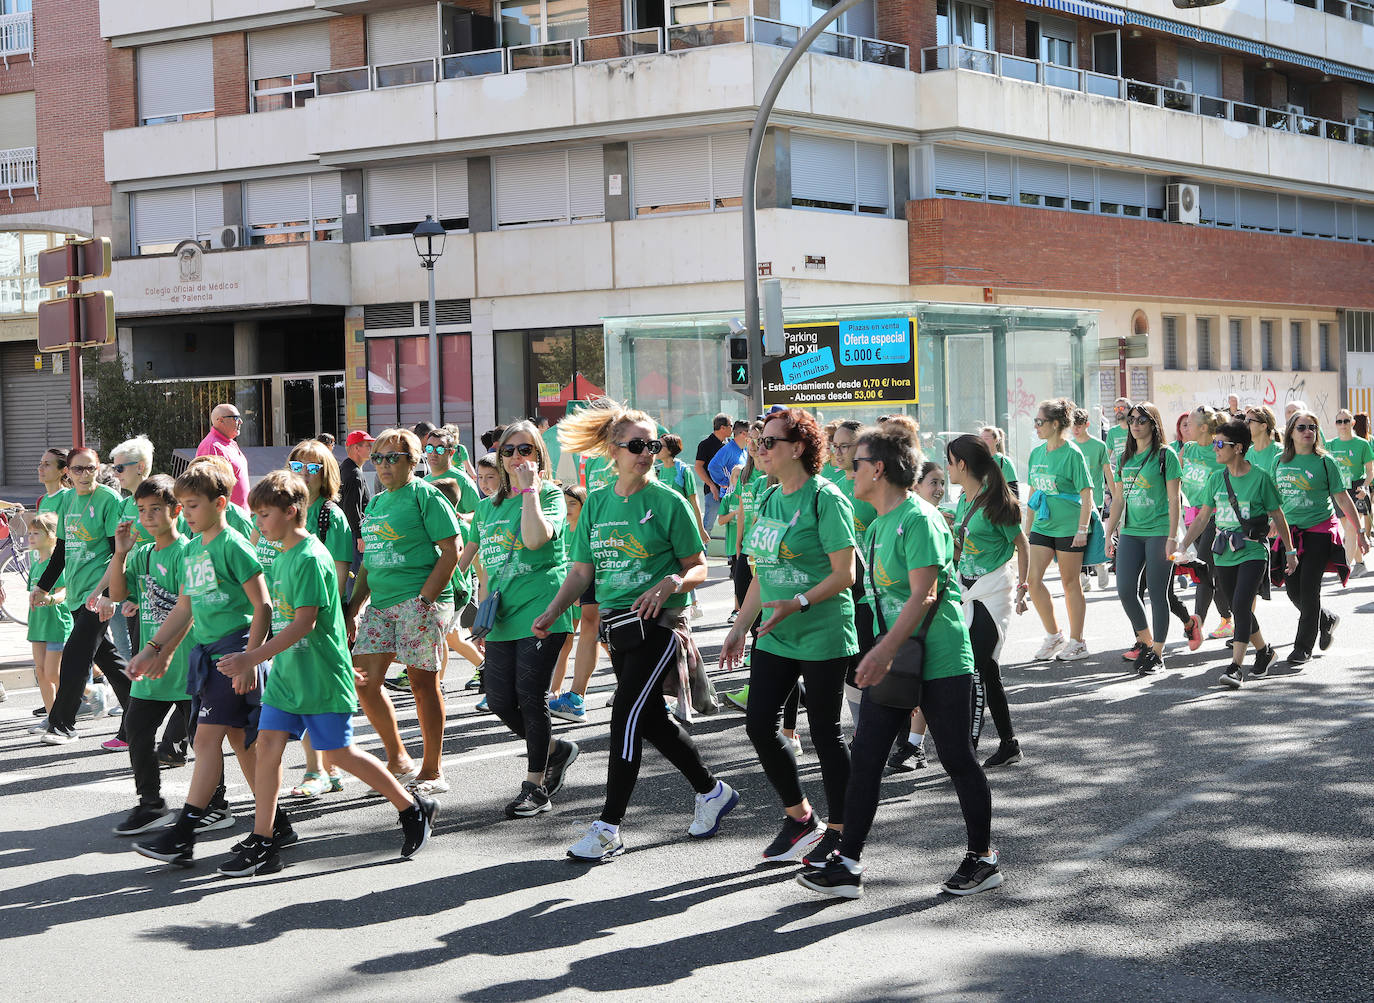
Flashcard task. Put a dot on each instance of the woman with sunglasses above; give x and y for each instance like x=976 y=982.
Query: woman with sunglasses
x=1240 y=494
x=912 y=557
x=1199 y=463
x=440 y=453
x=639 y=542
x=1312 y=488
x=1058 y=522
x=908 y=754
x=752 y=483
x=803 y=546
x=1145 y=508
x=520 y=535
x=1356 y=459
x=410 y=549
x=1264 y=438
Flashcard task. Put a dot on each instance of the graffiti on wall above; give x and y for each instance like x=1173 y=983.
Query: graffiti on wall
x=1272 y=390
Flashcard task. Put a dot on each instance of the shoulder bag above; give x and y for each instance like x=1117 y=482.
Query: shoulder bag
x=901 y=687
x=1255 y=527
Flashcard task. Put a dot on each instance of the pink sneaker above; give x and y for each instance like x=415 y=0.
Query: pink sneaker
x=114 y=745
x=1193 y=632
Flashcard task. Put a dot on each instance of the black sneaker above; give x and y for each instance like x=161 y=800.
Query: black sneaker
x=818 y=854
x=1148 y=662
x=143 y=818
x=282 y=833
x=973 y=876
x=833 y=878
x=1134 y=651
x=532 y=800
x=1263 y=659
x=1297 y=657
x=1328 y=630
x=794 y=839
x=1233 y=677
x=170 y=759
x=169 y=846
x=1008 y=752
x=417 y=822
x=40 y=712
x=563 y=756
x=475 y=683
x=215 y=817
x=906 y=757
x=255 y=855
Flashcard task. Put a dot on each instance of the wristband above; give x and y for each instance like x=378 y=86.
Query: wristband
x=1022 y=587
x=677 y=582
x=527 y=491
x=155 y=646
x=1290 y=553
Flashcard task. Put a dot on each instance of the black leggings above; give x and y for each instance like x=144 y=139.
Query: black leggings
x=1206 y=590
x=1176 y=606
x=639 y=713
x=946 y=705
x=771 y=679
x=1304 y=588
x=142 y=719
x=1241 y=583
x=742 y=576
x=516 y=677
x=989 y=691
x=1141 y=562
x=89 y=642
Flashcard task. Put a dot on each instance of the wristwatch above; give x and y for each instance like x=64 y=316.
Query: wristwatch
x=805 y=602
x=427 y=603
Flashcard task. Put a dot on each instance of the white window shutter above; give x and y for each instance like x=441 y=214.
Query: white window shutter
x=209 y=210
x=728 y=151
x=1122 y=187
x=670 y=172
x=400 y=194
x=400 y=36
x=874 y=191
x=280 y=52
x=1082 y=184
x=1000 y=175
x=18 y=120
x=176 y=78
x=453 y=189
x=531 y=187
x=1256 y=210
x=164 y=217
x=276 y=200
x=1043 y=177
x=960 y=171
x=823 y=169
x=586 y=183
x=326 y=196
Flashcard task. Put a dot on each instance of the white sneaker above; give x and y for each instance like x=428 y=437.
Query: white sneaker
x=1085 y=581
x=598 y=844
x=1103 y=576
x=710 y=809
x=1053 y=642
x=40 y=727
x=1072 y=652
x=797 y=749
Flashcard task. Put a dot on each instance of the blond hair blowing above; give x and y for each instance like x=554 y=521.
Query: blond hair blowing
x=592 y=432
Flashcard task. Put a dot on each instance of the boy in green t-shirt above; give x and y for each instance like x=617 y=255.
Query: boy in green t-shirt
x=224 y=601
x=146 y=578
x=49 y=623
x=310 y=688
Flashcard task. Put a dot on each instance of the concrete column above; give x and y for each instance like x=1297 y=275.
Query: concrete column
x=245 y=347
x=121 y=236
x=481 y=204
x=901 y=179
x=1000 y=403
x=774 y=185
x=617 y=159
x=233 y=203
x=354 y=225
x=483 y=366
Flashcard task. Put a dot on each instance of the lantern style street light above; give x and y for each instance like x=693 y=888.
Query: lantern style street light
x=429 y=245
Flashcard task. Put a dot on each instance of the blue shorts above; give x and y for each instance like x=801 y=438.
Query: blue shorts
x=220 y=705
x=55 y=645
x=327 y=731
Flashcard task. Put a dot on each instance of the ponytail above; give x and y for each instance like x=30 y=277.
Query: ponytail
x=591 y=432
x=999 y=506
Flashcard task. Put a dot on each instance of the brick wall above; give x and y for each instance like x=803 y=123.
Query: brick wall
x=1232 y=78
x=347 y=42
x=907 y=22
x=231 y=73
x=1010 y=247
x=1339 y=100
x=121 y=74
x=1271 y=89
x=18 y=78
x=606 y=16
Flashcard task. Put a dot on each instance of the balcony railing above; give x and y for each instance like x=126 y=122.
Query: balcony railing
x=944 y=57
x=19 y=170
x=16 y=36
x=600 y=48
x=1351 y=10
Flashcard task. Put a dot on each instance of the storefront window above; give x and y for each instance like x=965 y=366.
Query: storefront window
x=19 y=289
x=398 y=375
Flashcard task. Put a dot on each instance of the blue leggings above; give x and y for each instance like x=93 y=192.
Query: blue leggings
x=1132 y=554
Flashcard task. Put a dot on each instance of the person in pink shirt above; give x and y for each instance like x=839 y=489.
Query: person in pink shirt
x=225 y=425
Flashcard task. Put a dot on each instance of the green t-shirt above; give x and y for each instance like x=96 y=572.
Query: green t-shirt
x=1061 y=472
x=680 y=477
x=128 y=512
x=1145 y=493
x=987 y=546
x=833 y=473
x=915 y=535
x=154 y=578
x=527 y=579
x=1352 y=456
x=267 y=550
x=599 y=472
x=1257 y=495
x=1306 y=484
x=213 y=578
x=88 y=525
x=1116 y=443
x=817 y=521
x=1007 y=467
x=1265 y=458
x=1095 y=454
x=338 y=537
x=47 y=623
x=1199 y=464
x=314 y=675
x=462 y=580
x=468 y=495
x=237 y=519
x=400 y=529
x=864 y=513
x=56 y=504
x=748 y=502
x=729 y=502
x=634 y=543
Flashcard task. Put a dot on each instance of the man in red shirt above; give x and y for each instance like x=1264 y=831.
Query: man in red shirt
x=225 y=425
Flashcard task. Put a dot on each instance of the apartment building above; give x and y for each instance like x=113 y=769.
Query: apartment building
x=1060 y=171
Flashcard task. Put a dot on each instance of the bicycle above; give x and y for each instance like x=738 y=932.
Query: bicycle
x=14 y=566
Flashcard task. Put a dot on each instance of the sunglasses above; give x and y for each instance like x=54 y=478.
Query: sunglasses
x=769 y=441
x=438 y=450
x=236 y=419
x=1345 y=421
x=1141 y=419
x=119 y=468
x=864 y=459
x=1221 y=443
x=82 y=470
x=310 y=468
x=1255 y=420
x=1304 y=428
x=525 y=449
x=841 y=447
x=389 y=458
x=635 y=446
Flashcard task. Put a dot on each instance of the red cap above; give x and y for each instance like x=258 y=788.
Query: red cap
x=356 y=437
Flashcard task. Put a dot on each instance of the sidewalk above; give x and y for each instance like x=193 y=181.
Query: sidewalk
x=16 y=659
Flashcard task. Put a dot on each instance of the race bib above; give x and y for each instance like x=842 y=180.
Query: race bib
x=765 y=538
x=200 y=577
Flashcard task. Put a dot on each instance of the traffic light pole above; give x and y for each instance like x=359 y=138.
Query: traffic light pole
x=751 y=165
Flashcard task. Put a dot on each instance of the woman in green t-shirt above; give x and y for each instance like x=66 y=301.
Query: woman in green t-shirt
x=1264 y=437
x=912 y=555
x=1199 y=463
x=996 y=441
x=639 y=542
x=1240 y=494
x=1312 y=489
x=1356 y=459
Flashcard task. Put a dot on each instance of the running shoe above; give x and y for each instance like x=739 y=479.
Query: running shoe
x=906 y=757
x=40 y=712
x=1008 y=752
x=475 y=683
x=1233 y=677
x=730 y=620
x=283 y=833
x=974 y=875
x=1296 y=657
x=795 y=743
x=39 y=727
x=599 y=844
x=834 y=879
x=1051 y=646
x=482 y=707
x=711 y=808
x=1102 y=576
x=1192 y=630
x=144 y=817
x=794 y=839
x=1085 y=581
x=563 y=756
x=820 y=853
x=115 y=744
x=738 y=699
x=215 y=817
x=1263 y=659
x=1149 y=662
x=1073 y=651
x=400 y=683
x=1328 y=631
x=94 y=704
x=532 y=800
x=170 y=759
x=59 y=736
x=169 y=847
x=417 y=825
x=1224 y=629
x=569 y=707
x=255 y=855
x=1133 y=652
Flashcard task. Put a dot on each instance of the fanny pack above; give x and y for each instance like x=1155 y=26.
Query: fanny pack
x=901 y=688
x=624 y=629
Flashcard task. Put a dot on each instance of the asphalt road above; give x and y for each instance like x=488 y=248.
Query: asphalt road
x=1164 y=839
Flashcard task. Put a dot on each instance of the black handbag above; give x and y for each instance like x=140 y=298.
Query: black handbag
x=901 y=687
x=623 y=630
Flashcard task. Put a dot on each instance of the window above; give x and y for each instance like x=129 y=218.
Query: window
x=1171 y=353
x=1107 y=53
x=1326 y=345
x=1240 y=358
x=1269 y=348
x=1206 y=358
x=840 y=175
x=1052 y=40
x=697 y=11
x=18 y=120
x=398 y=376
x=1201 y=70
x=689 y=174
x=400 y=197
x=525 y=22
x=176 y=81
x=282 y=63
x=958 y=22
x=552 y=186
x=288 y=210
x=19 y=288
x=1297 y=334
x=164 y=218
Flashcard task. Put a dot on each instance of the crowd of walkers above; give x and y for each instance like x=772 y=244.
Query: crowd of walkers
x=868 y=578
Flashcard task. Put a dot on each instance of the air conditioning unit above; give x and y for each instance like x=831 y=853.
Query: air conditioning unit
x=229 y=237
x=1180 y=85
x=1183 y=204
x=1294 y=109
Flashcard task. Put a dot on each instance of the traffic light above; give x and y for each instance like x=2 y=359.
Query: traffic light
x=740 y=373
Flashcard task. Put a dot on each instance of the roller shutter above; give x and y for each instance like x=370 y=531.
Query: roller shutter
x=453 y=189
x=176 y=78
x=35 y=406
x=400 y=194
x=671 y=172
x=871 y=179
x=586 y=183
x=399 y=36
x=728 y=151
x=823 y=170
x=280 y=52
x=531 y=188
x=277 y=201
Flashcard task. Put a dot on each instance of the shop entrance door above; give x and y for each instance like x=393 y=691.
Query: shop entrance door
x=306 y=404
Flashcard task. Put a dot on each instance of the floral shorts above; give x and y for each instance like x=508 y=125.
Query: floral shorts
x=410 y=630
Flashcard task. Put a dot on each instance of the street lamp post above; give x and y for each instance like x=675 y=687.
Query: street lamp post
x=429 y=245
